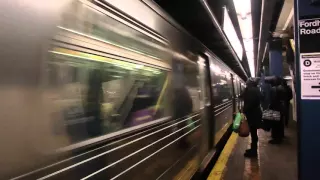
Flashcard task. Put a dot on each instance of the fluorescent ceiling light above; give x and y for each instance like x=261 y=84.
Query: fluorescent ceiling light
x=231 y=34
x=288 y=20
x=287 y=77
x=243 y=9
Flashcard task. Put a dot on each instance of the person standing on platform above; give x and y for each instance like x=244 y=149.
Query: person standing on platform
x=251 y=97
x=277 y=99
x=288 y=97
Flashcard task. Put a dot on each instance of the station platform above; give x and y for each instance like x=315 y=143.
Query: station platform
x=274 y=162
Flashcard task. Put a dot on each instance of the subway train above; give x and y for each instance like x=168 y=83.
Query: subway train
x=107 y=89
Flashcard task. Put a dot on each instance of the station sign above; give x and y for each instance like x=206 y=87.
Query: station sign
x=309 y=31
x=310 y=75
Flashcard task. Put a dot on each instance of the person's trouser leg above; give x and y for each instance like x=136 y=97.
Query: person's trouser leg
x=286 y=114
x=277 y=131
x=274 y=130
x=253 y=151
x=254 y=138
x=281 y=127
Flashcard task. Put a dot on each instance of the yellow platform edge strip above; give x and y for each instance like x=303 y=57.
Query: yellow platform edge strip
x=185 y=173
x=219 y=167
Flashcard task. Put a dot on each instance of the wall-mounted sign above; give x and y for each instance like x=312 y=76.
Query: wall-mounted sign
x=309 y=30
x=310 y=75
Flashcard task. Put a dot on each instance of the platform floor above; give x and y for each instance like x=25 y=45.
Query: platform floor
x=274 y=162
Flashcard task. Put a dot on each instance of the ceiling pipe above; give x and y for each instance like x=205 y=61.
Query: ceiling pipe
x=267 y=10
x=216 y=24
x=285 y=20
x=266 y=50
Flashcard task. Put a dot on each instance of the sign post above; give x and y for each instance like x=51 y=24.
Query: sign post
x=307 y=61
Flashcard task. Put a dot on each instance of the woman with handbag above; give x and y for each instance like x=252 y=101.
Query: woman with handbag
x=251 y=97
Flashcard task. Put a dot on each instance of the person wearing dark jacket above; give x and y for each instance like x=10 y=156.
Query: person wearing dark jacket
x=251 y=97
x=277 y=100
x=288 y=97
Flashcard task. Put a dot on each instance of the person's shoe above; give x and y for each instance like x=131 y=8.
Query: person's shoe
x=250 y=153
x=249 y=150
x=275 y=141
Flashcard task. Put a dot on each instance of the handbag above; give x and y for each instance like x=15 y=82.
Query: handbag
x=244 y=129
x=271 y=115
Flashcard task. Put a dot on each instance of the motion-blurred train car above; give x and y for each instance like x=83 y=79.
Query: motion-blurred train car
x=107 y=89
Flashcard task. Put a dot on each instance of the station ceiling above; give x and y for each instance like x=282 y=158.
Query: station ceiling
x=193 y=16
x=266 y=17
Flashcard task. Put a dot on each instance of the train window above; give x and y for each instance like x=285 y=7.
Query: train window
x=221 y=84
x=98 y=95
x=92 y=21
x=236 y=85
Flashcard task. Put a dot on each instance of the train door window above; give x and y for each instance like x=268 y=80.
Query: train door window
x=202 y=81
x=221 y=84
x=236 y=85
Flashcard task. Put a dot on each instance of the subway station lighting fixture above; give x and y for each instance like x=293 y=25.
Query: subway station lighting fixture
x=243 y=9
x=231 y=34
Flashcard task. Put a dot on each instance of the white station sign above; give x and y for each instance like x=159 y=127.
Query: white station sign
x=310 y=75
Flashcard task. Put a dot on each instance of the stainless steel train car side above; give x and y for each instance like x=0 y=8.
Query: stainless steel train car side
x=110 y=89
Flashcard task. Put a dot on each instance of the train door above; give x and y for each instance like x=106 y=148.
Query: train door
x=205 y=105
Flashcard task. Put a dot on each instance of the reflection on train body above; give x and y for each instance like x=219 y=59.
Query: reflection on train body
x=110 y=97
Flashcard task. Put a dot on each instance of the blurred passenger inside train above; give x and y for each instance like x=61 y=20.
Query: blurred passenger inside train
x=182 y=104
x=93 y=108
x=277 y=99
x=251 y=97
